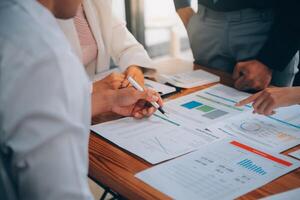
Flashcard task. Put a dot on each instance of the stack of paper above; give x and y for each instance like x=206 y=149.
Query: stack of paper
x=190 y=79
x=222 y=170
x=161 y=138
x=162 y=89
x=198 y=119
x=226 y=151
x=155 y=139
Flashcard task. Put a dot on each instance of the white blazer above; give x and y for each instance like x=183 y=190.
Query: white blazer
x=112 y=37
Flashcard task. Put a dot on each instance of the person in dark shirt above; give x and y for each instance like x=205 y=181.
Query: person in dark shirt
x=282 y=44
x=237 y=36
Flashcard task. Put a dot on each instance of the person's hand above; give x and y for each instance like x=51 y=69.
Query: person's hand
x=130 y=102
x=136 y=73
x=185 y=14
x=266 y=101
x=251 y=75
x=113 y=81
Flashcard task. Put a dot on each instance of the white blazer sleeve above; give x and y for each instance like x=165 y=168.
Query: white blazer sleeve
x=125 y=49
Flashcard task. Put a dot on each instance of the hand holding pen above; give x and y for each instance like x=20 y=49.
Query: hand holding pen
x=141 y=89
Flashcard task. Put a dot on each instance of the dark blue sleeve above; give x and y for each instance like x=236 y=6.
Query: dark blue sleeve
x=284 y=38
x=182 y=3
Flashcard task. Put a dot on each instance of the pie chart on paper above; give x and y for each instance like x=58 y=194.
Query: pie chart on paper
x=250 y=126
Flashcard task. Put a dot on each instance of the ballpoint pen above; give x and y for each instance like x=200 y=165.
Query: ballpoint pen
x=139 y=88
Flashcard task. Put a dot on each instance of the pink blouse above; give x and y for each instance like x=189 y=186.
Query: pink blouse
x=87 y=41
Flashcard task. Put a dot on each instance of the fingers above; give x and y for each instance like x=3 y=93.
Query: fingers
x=269 y=110
x=145 y=112
x=255 y=75
x=239 y=75
x=153 y=96
x=262 y=103
x=249 y=99
x=116 y=77
x=136 y=73
x=261 y=109
x=137 y=115
x=143 y=109
x=138 y=79
x=236 y=71
x=114 y=80
x=125 y=83
x=240 y=83
x=115 y=85
x=261 y=99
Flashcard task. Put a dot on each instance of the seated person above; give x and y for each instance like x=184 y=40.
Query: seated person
x=45 y=104
x=96 y=35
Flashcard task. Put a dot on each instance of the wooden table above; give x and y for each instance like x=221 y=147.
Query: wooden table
x=115 y=168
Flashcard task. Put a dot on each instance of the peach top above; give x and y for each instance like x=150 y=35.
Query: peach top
x=87 y=41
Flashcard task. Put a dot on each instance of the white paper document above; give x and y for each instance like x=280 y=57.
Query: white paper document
x=226 y=93
x=155 y=139
x=267 y=133
x=223 y=170
x=162 y=89
x=295 y=154
x=207 y=106
x=289 y=195
x=190 y=79
x=289 y=115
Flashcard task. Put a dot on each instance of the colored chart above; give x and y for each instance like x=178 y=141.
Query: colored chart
x=248 y=164
x=250 y=126
x=208 y=111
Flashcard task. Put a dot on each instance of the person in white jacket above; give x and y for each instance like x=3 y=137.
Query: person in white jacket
x=45 y=104
x=96 y=35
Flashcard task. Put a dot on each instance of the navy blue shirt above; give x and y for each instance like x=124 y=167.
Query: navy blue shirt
x=284 y=37
x=227 y=5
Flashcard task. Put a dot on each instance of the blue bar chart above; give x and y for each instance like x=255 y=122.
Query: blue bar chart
x=248 y=164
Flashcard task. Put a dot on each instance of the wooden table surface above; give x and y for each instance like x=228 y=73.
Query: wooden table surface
x=115 y=168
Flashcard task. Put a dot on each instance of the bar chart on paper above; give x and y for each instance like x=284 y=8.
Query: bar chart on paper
x=203 y=108
x=248 y=164
x=208 y=111
x=223 y=170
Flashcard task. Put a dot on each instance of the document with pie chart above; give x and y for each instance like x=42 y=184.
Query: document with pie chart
x=266 y=132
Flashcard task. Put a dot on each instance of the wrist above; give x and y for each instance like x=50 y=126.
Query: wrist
x=110 y=98
x=102 y=102
x=185 y=14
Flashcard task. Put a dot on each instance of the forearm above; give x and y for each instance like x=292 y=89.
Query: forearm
x=185 y=14
x=125 y=49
